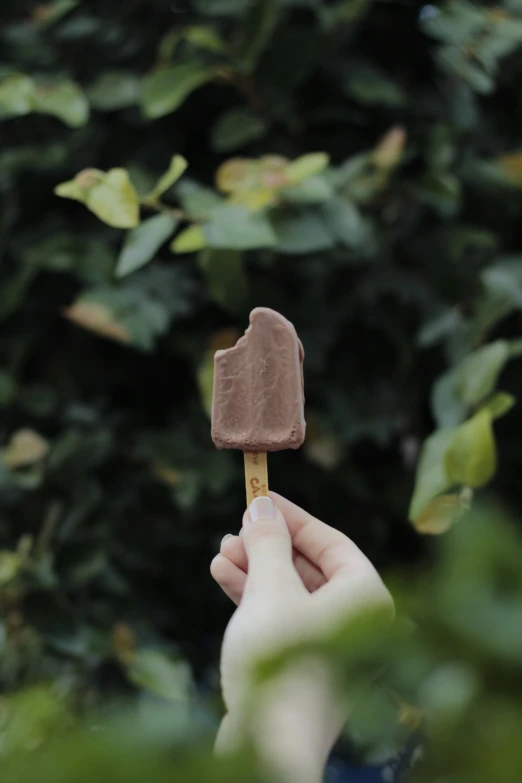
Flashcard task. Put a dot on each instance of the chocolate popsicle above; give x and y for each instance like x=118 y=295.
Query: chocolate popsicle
x=258 y=400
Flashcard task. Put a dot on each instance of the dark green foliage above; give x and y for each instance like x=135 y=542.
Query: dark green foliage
x=376 y=202
x=448 y=670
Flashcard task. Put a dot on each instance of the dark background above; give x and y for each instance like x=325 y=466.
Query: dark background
x=117 y=549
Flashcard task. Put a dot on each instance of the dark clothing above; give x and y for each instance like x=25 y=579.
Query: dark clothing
x=396 y=770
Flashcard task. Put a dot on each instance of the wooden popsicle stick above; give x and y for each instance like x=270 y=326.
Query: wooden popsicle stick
x=256 y=475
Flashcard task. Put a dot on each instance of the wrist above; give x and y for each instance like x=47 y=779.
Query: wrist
x=296 y=722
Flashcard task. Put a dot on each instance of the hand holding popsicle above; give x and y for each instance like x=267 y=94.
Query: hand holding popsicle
x=284 y=598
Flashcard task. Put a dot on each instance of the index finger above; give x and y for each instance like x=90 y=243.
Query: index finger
x=327 y=548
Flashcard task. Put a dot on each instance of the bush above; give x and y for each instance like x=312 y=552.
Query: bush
x=453 y=679
x=352 y=164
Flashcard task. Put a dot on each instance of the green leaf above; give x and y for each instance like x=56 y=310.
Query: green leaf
x=348 y=225
x=222 y=7
x=7 y=389
x=196 y=200
x=313 y=190
x=136 y=310
x=233 y=227
x=236 y=128
x=456 y=23
x=87 y=257
x=439 y=326
x=64 y=100
x=345 y=11
x=177 y=167
x=164 y=90
x=114 y=90
x=206 y=38
x=307 y=166
x=20 y=94
x=16 y=95
x=504 y=279
x=470 y=458
x=477 y=375
x=110 y=195
x=515 y=348
x=189 y=240
x=143 y=242
x=225 y=278
x=371 y=87
x=456 y=62
x=155 y=672
x=499 y=404
x=441 y=191
x=255 y=33
x=431 y=478
x=301 y=232
x=448 y=408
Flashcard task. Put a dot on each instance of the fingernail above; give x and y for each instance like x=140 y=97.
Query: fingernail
x=225 y=538
x=262 y=508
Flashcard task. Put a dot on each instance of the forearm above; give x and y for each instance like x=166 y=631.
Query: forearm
x=294 y=724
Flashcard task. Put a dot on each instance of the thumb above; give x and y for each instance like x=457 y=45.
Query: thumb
x=268 y=546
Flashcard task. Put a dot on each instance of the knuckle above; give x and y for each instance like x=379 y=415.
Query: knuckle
x=380 y=595
x=267 y=530
x=229 y=545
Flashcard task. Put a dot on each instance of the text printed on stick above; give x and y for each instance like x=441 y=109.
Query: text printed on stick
x=256 y=475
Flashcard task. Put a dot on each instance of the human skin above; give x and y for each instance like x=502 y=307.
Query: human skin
x=292 y=577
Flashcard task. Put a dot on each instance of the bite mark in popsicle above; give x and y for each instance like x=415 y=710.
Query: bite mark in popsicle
x=258 y=399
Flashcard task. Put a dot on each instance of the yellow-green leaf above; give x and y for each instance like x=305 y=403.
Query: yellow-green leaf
x=10 y=563
x=237 y=174
x=110 y=195
x=439 y=515
x=471 y=458
x=388 y=152
x=206 y=381
x=26 y=447
x=221 y=340
x=78 y=188
x=499 y=404
x=306 y=166
x=114 y=200
x=511 y=166
x=321 y=447
x=205 y=38
x=189 y=240
x=164 y=90
x=177 y=167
